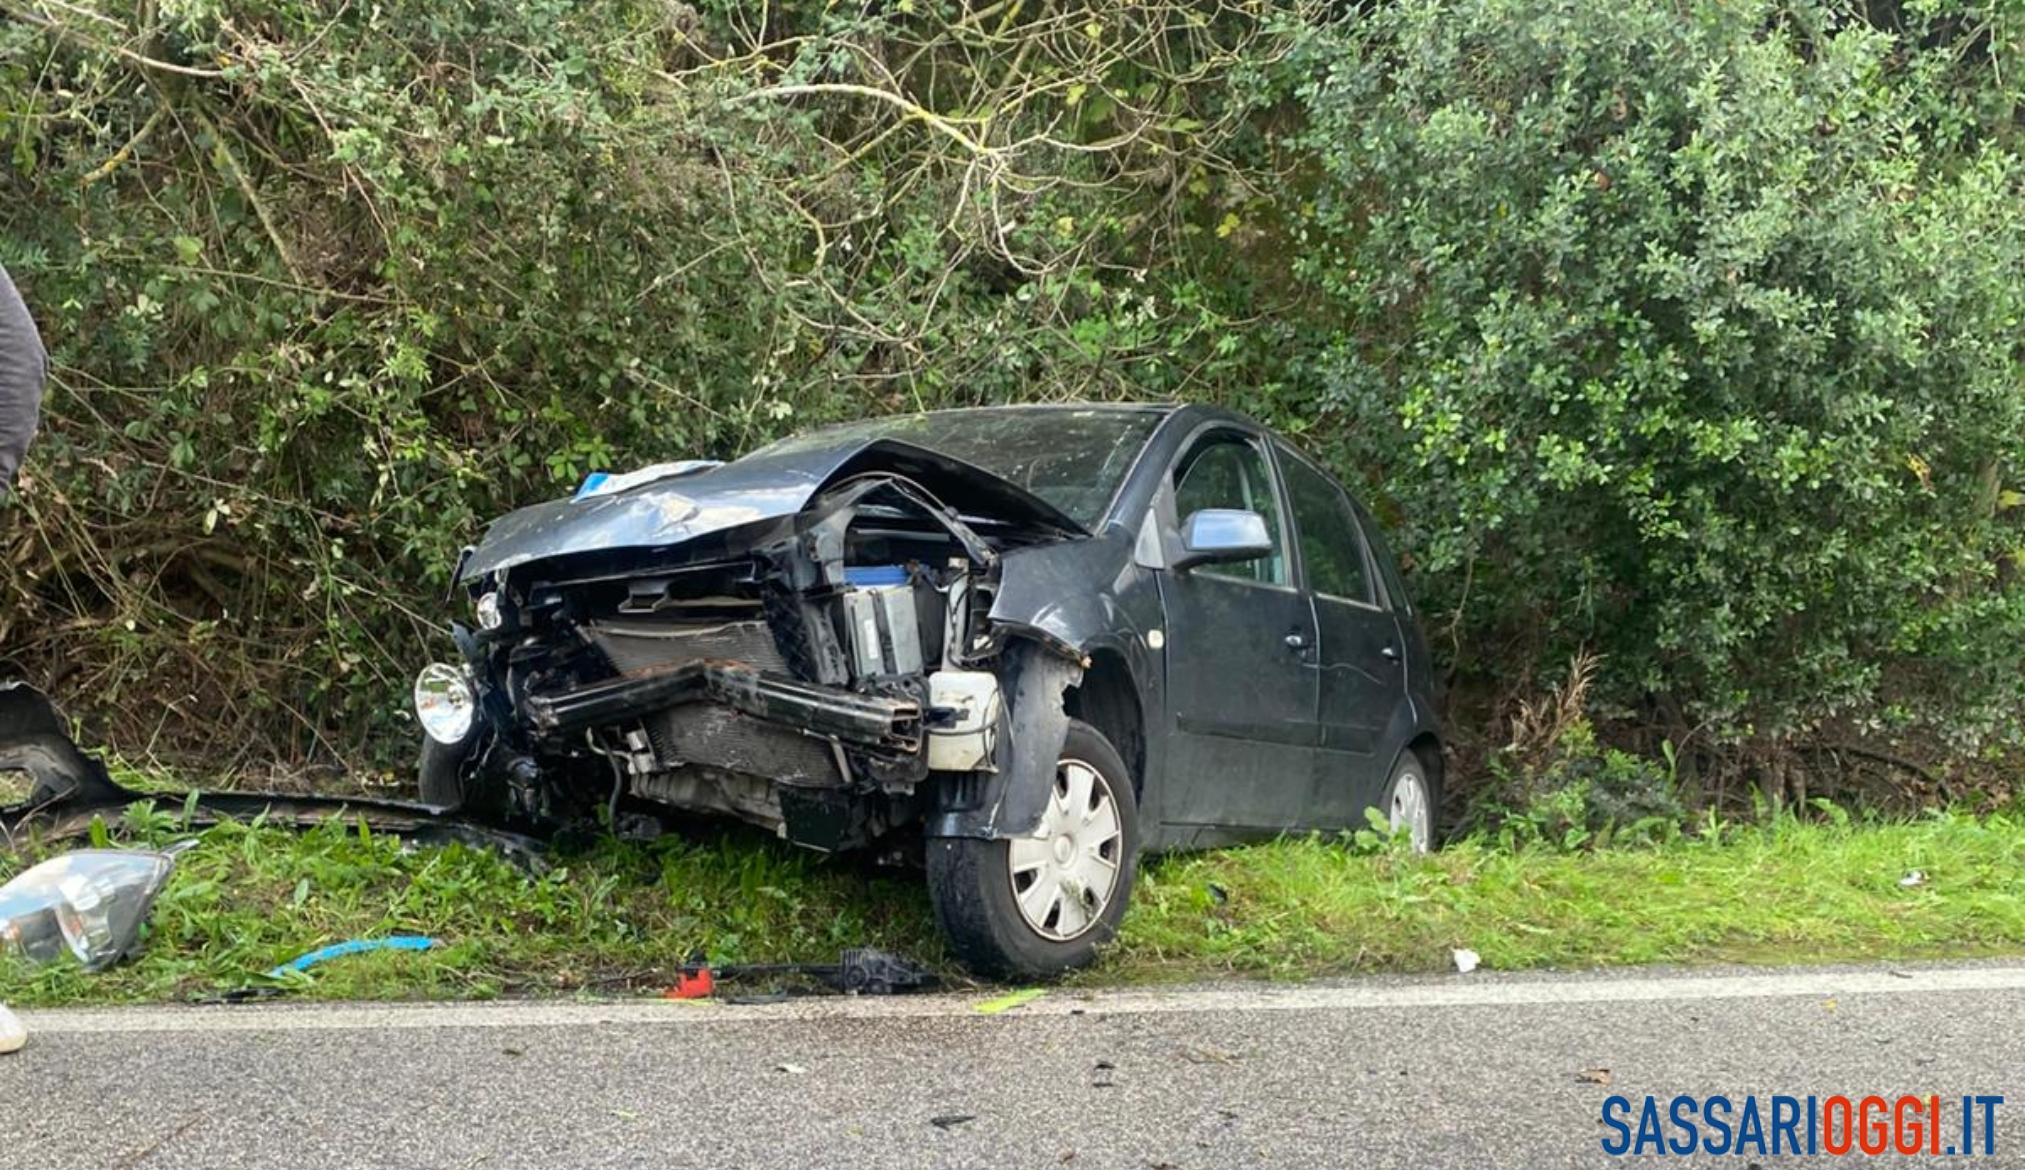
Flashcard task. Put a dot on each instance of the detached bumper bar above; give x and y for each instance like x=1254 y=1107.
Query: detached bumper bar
x=881 y=721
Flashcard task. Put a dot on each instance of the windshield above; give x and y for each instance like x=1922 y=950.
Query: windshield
x=1074 y=457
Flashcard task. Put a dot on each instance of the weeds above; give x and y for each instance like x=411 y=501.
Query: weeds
x=616 y=915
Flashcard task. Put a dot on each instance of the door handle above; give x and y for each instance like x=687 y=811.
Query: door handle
x=1391 y=655
x=1296 y=642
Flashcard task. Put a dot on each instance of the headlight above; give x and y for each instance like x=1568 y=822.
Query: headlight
x=445 y=703
x=89 y=904
x=489 y=617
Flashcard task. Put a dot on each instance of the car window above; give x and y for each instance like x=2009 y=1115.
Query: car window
x=1388 y=565
x=1332 y=549
x=1225 y=471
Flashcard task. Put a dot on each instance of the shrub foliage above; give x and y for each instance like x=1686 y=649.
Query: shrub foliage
x=1687 y=336
x=1691 y=335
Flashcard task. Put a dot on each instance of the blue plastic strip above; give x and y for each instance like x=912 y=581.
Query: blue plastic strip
x=357 y=946
x=872 y=576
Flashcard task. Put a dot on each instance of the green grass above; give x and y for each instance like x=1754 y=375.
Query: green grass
x=618 y=916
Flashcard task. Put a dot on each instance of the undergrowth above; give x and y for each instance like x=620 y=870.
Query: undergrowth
x=615 y=916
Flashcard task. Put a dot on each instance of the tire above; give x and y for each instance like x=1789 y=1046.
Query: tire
x=976 y=886
x=1400 y=802
x=439 y=776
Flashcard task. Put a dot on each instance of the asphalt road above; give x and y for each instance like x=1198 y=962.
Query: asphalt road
x=1479 y=1072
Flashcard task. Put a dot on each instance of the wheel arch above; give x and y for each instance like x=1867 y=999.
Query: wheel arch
x=1427 y=745
x=1108 y=699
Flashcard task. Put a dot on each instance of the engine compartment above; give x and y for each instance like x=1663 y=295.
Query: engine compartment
x=806 y=676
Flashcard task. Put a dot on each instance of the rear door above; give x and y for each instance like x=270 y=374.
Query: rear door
x=1241 y=679
x=1359 y=652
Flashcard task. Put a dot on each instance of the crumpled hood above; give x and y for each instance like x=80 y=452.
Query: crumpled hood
x=762 y=486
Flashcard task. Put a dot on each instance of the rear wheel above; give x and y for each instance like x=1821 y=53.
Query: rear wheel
x=1410 y=800
x=1040 y=905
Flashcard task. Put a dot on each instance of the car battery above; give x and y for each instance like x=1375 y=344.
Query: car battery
x=883 y=624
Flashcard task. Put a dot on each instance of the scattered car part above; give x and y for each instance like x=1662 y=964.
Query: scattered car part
x=694 y=981
x=88 y=905
x=35 y=740
x=70 y=790
x=12 y=1034
x=72 y=816
x=1009 y=1001
x=357 y=946
x=865 y=971
x=857 y=971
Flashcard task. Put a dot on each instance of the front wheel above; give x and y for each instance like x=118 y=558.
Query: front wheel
x=439 y=774
x=1037 y=906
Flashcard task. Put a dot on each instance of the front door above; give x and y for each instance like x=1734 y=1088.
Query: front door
x=1241 y=677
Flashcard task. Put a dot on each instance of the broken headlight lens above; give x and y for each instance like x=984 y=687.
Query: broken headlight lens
x=489 y=615
x=89 y=904
x=444 y=702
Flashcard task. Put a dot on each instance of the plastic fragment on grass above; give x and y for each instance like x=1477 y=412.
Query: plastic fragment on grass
x=1006 y=1003
x=12 y=1034
x=88 y=905
x=1466 y=960
x=357 y=946
x=1917 y=877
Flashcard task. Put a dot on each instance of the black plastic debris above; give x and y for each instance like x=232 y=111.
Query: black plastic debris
x=857 y=971
x=70 y=789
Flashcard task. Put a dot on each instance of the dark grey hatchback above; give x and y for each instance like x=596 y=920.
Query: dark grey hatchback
x=1038 y=640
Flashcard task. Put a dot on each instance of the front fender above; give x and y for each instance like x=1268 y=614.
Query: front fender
x=1072 y=592
x=1009 y=802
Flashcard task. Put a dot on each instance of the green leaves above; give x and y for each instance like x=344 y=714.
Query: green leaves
x=1671 y=337
x=1632 y=319
x=435 y=263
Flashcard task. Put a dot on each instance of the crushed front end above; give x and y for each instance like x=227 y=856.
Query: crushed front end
x=806 y=670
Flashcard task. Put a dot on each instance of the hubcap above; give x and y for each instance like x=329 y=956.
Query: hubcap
x=1410 y=808
x=1064 y=875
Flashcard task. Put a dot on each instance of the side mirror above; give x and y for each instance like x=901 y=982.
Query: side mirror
x=1221 y=536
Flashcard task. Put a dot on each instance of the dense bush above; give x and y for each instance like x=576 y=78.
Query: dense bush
x=328 y=284
x=1691 y=335
x=1686 y=334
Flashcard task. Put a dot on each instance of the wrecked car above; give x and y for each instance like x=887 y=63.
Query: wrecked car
x=1037 y=640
